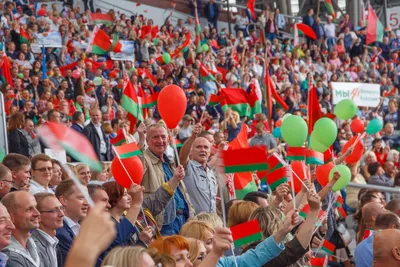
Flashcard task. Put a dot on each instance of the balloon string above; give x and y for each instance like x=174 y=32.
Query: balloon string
x=175 y=149
x=130 y=178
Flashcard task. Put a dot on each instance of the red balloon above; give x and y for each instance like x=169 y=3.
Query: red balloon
x=278 y=123
x=171 y=105
x=76 y=74
x=323 y=173
x=357 y=126
x=298 y=168
x=357 y=152
x=133 y=166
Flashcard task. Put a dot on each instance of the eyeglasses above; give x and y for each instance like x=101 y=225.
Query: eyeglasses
x=49 y=169
x=53 y=211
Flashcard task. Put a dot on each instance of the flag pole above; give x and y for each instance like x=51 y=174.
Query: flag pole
x=130 y=178
x=174 y=146
x=78 y=184
x=220 y=177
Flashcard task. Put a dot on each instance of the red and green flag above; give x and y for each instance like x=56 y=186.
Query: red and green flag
x=243 y=182
x=6 y=70
x=127 y=150
x=130 y=101
x=277 y=177
x=101 y=43
x=215 y=100
x=59 y=137
x=250 y=6
x=341 y=212
x=273 y=163
x=313 y=109
x=24 y=37
x=328 y=247
x=314 y=157
x=198 y=31
x=85 y=111
x=147 y=74
x=271 y=91
x=178 y=143
x=245 y=159
x=375 y=29
x=339 y=201
x=100 y=18
x=296 y=153
x=237 y=100
x=149 y=101
x=304 y=211
x=206 y=74
x=182 y=46
x=246 y=233
x=330 y=8
x=120 y=139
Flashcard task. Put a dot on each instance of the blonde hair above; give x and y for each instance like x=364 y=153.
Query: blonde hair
x=124 y=256
x=369 y=153
x=270 y=220
x=79 y=167
x=240 y=212
x=211 y=218
x=391 y=154
x=196 y=229
x=194 y=248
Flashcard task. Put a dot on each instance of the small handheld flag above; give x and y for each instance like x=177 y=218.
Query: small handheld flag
x=246 y=233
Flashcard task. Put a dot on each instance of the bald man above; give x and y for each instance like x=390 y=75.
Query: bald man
x=387 y=248
x=363 y=253
x=200 y=180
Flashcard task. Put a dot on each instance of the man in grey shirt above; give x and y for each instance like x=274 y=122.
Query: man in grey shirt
x=262 y=138
x=33 y=140
x=22 y=251
x=200 y=180
x=51 y=219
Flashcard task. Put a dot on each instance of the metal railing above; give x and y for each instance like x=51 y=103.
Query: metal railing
x=387 y=190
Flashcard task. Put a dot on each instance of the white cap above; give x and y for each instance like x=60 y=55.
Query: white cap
x=330 y=17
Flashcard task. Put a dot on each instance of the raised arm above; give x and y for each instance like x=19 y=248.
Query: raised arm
x=187 y=146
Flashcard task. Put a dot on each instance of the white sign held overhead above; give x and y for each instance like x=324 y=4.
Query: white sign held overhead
x=363 y=94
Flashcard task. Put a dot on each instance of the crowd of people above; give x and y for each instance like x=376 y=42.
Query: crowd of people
x=182 y=212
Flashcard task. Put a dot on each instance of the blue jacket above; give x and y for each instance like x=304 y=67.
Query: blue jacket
x=263 y=253
x=77 y=127
x=316 y=28
x=65 y=236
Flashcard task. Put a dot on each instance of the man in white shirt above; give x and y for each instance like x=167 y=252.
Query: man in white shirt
x=330 y=33
x=42 y=172
x=51 y=219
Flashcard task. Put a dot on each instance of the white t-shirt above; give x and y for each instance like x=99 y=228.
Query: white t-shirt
x=330 y=30
x=241 y=21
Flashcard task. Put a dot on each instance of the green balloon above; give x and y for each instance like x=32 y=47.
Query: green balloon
x=166 y=58
x=20 y=75
x=345 y=177
x=345 y=109
x=374 y=126
x=97 y=81
x=286 y=116
x=316 y=145
x=294 y=130
x=325 y=131
x=155 y=41
x=205 y=47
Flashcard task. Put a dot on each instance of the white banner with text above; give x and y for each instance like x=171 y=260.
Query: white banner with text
x=363 y=94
